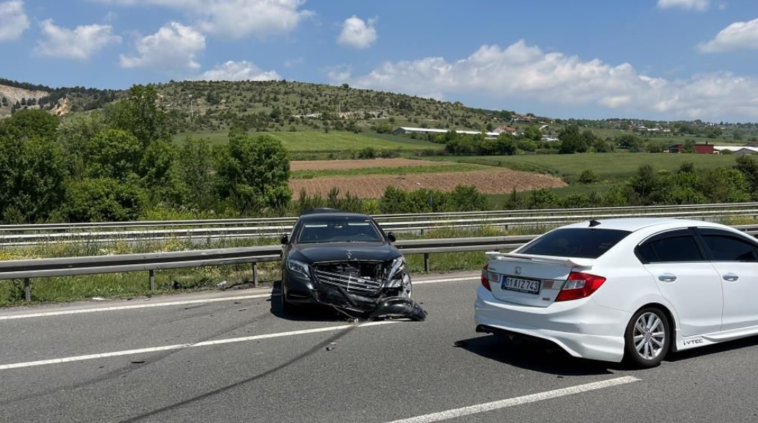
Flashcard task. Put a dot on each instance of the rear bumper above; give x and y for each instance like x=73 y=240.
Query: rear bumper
x=582 y=328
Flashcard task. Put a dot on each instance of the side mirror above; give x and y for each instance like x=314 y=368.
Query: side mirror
x=391 y=237
x=285 y=239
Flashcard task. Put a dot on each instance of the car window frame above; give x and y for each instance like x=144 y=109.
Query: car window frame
x=703 y=232
x=674 y=233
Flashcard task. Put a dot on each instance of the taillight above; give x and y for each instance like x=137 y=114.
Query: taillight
x=580 y=285
x=485 y=281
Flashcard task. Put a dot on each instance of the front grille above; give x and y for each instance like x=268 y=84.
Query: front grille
x=348 y=282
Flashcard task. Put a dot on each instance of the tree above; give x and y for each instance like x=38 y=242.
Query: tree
x=689 y=147
x=140 y=114
x=533 y=133
x=253 y=173
x=629 y=141
x=644 y=185
x=602 y=146
x=30 y=124
x=195 y=171
x=588 y=176
x=32 y=173
x=75 y=134
x=103 y=200
x=572 y=141
x=113 y=154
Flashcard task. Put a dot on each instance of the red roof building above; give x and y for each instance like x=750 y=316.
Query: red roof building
x=699 y=148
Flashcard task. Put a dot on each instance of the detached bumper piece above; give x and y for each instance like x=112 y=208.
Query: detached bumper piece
x=398 y=308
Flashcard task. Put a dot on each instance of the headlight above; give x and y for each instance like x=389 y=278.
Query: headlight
x=299 y=267
x=394 y=279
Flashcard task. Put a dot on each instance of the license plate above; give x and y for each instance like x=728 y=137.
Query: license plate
x=527 y=286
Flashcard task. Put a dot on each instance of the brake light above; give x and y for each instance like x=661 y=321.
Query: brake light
x=580 y=285
x=485 y=281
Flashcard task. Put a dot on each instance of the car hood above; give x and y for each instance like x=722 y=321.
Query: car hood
x=316 y=253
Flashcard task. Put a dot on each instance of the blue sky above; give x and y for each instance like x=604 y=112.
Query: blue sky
x=663 y=59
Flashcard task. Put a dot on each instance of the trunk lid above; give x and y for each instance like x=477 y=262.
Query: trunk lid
x=530 y=280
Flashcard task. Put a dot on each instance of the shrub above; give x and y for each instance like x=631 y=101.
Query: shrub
x=588 y=177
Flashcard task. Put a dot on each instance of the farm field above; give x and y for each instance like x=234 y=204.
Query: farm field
x=607 y=166
x=298 y=165
x=434 y=167
x=669 y=139
x=500 y=181
x=325 y=142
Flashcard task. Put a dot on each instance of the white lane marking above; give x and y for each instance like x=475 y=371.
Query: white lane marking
x=181 y=303
x=512 y=402
x=132 y=307
x=470 y=278
x=185 y=346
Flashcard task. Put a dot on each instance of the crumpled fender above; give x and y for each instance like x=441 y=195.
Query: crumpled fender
x=398 y=308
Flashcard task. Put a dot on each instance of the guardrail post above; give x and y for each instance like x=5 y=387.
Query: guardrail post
x=426 y=262
x=27 y=289
x=255 y=274
x=152 y=280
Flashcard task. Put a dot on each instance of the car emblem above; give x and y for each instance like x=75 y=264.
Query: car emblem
x=349 y=254
x=518 y=270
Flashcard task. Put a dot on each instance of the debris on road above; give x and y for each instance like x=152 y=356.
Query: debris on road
x=138 y=361
x=98 y=299
x=460 y=344
x=398 y=308
x=221 y=285
x=177 y=285
x=331 y=346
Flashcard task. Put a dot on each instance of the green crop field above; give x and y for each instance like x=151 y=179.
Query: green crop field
x=608 y=166
x=402 y=170
x=332 y=141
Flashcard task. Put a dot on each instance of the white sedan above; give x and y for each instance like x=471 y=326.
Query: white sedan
x=625 y=288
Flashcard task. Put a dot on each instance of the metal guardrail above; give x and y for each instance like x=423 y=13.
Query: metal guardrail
x=380 y=218
x=76 y=266
x=279 y=226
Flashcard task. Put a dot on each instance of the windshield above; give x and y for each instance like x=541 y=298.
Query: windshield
x=575 y=243
x=342 y=229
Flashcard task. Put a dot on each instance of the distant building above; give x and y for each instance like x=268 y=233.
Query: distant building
x=550 y=139
x=506 y=129
x=739 y=151
x=405 y=130
x=699 y=148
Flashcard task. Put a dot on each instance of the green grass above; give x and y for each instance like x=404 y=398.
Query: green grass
x=608 y=166
x=403 y=170
x=325 y=142
x=669 y=139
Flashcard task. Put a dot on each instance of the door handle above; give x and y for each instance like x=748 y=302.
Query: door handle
x=731 y=277
x=667 y=277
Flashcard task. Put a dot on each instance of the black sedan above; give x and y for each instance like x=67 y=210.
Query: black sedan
x=346 y=261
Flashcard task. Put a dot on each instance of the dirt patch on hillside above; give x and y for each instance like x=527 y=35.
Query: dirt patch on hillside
x=360 y=164
x=501 y=181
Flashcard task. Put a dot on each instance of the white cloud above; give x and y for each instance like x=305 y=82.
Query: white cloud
x=526 y=72
x=699 y=5
x=357 y=33
x=172 y=49
x=80 y=43
x=235 y=18
x=239 y=71
x=291 y=63
x=339 y=74
x=737 y=36
x=13 y=20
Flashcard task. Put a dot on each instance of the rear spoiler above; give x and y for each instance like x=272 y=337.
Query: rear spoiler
x=563 y=261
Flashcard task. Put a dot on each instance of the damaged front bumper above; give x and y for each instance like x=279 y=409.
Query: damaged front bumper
x=362 y=289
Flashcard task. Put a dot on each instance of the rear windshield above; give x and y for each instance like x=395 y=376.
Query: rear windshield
x=341 y=229
x=575 y=243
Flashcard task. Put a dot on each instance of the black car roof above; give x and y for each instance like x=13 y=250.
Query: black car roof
x=337 y=214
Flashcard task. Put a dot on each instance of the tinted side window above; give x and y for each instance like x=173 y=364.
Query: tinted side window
x=728 y=248
x=672 y=249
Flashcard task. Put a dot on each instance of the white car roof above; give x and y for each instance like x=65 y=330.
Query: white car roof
x=636 y=223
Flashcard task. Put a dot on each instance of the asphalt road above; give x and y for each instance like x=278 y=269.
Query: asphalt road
x=229 y=356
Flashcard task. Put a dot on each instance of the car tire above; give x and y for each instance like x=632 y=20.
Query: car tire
x=285 y=306
x=647 y=338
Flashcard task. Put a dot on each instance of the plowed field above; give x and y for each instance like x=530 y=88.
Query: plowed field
x=359 y=164
x=501 y=181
